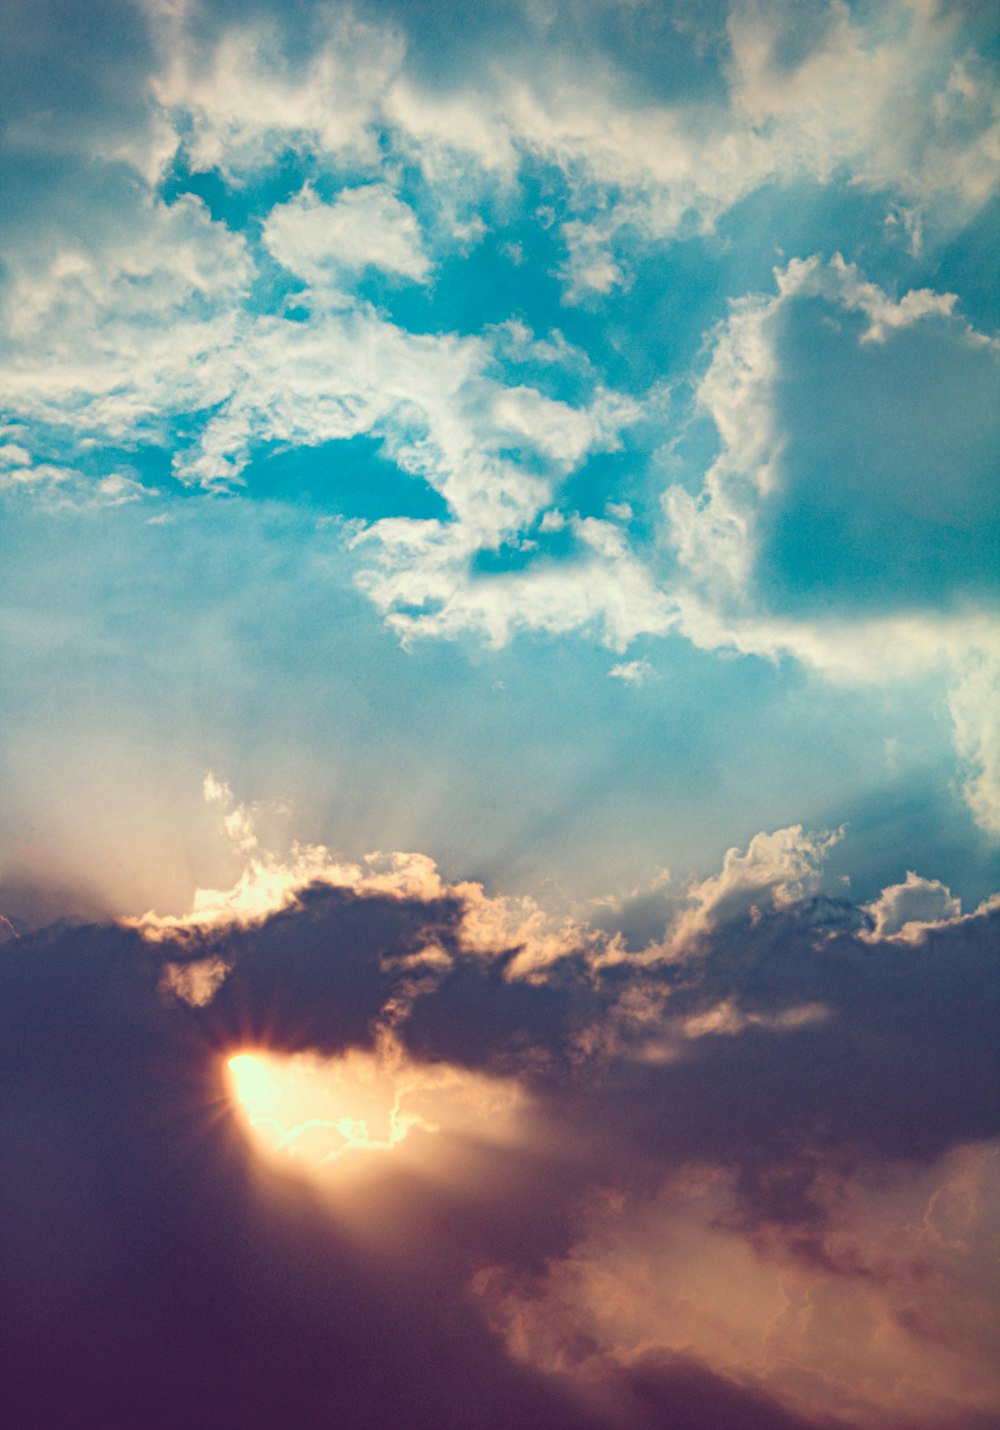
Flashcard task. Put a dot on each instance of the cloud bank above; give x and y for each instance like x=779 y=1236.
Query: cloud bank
x=700 y=1214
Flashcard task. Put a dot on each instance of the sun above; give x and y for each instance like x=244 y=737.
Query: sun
x=315 y=1115
x=252 y=1080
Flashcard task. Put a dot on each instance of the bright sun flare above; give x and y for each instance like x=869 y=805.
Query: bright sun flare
x=308 y=1112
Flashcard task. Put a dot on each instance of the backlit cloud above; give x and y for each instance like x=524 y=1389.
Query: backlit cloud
x=617 y=1167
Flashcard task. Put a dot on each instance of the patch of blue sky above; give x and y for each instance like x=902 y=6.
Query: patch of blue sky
x=888 y=496
x=542 y=548
x=466 y=293
x=609 y=482
x=512 y=272
x=913 y=820
x=442 y=41
x=76 y=66
x=145 y=462
x=780 y=221
x=670 y=54
x=646 y=332
x=238 y=205
x=967 y=265
x=652 y=328
x=351 y=478
x=231 y=636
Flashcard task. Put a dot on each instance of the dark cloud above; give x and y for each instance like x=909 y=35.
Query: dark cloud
x=904 y=1067
x=154 y=1276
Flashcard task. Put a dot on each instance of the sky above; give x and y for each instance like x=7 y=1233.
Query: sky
x=499 y=672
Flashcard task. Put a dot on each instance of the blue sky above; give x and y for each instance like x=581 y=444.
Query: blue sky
x=562 y=442
x=498 y=582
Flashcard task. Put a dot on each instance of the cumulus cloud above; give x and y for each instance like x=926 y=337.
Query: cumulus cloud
x=775 y=871
x=907 y=912
x=362 y=227
x=778 y=872
x=269 y=884
x=517 y=931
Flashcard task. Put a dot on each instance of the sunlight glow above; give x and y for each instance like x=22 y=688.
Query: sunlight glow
x=310 y=1115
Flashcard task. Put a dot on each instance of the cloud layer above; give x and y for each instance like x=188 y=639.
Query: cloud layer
x=686 y=1126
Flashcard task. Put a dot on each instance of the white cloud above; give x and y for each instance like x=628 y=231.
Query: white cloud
x=775 y=871
x=860 y=95
x=13 y=455
x=108 y=334
x=843 y=283
x=444 y=131
x=907 y=912
x=726 y=1019
x=160 y=264
x=633 y=672
x=434 y=401
x=893 y=98
x=363 y=227
x=974 y=702
x=424 y=587
x=57 y=488
x=243 y=101
x=917 y=902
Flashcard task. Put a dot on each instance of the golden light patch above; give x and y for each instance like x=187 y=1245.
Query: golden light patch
x=324 y=1117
